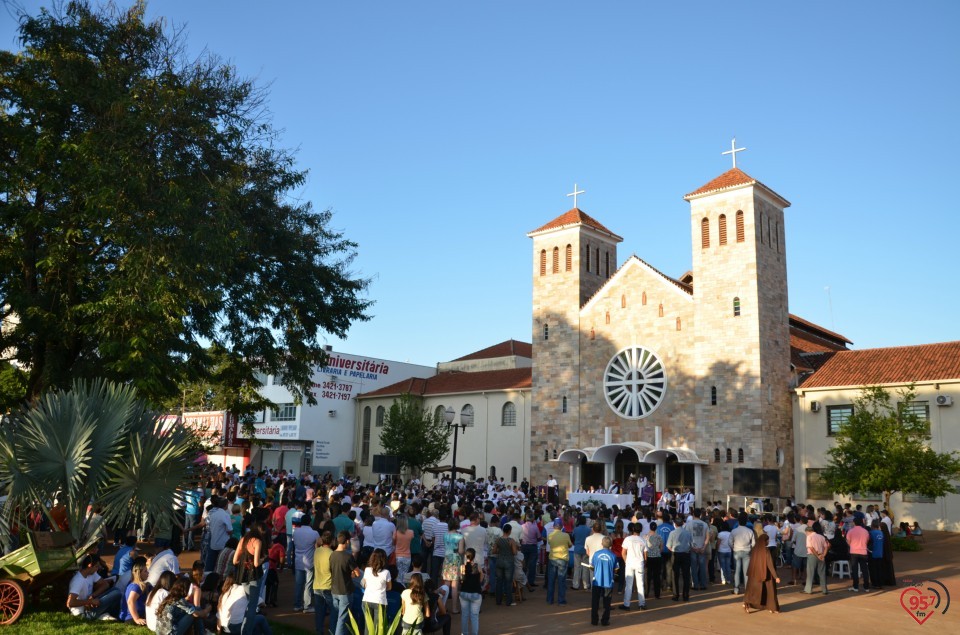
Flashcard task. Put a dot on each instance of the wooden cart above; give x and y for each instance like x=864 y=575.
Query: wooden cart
x=46 y=557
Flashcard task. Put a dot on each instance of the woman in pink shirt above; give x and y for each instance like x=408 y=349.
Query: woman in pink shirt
x=401 y=542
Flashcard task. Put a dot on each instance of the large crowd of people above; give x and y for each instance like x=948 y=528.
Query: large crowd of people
x=434 y=554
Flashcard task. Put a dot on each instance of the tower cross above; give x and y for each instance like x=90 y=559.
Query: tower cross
x=574 y=194
x=733 y=151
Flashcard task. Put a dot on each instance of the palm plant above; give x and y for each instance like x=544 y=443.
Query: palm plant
x=96 y=443
x=375 y=624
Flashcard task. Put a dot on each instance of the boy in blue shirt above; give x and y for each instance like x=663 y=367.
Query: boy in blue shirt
x=604 y=565
x=875 y=549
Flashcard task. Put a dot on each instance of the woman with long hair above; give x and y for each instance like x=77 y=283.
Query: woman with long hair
x=196 y=581
x=414 y=607
x=232 y=611
x=453 y=550
x=376 y=582
x=134 y=605
x=471 y=593
x=617 y=549
x=248 y=562
x=762 y=579
x=402 y=538
x=156 y=596
x=176 y=616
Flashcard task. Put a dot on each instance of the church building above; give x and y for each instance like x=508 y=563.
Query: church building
x=686 y=380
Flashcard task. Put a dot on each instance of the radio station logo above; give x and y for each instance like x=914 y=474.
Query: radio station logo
x=925 y=598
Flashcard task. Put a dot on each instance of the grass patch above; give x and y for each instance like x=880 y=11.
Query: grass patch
x=905 y=544
x=63 y=623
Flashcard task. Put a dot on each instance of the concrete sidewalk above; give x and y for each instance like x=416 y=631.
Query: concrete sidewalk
x=717 y=611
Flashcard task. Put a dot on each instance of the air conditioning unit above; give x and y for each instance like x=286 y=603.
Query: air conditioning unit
x=815 y=406
x=944 y=400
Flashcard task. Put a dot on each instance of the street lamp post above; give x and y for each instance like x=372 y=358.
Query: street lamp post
x=466 y=419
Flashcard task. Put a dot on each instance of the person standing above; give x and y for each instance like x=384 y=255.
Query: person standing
x=323 y=583
x=857 y=539
x=700 y=533
x=304 y=544
x=343 y=568
x=654 y=562
x=817 y=547
x=581 y=573
x=876 y=553
x=634 y=558
x=220 y=526
x=742 y=541
x=604 y=570
x=248 y=561
x=553 y=492
x=454 y=548
x=505 y=549
x=762 y=580
x=471 y=575
x=679 y=543
x=530 y=546
x=559 y=544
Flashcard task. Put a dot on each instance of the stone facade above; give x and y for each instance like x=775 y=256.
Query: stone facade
x=727 y=370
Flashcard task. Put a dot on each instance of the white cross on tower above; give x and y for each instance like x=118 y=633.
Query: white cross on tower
x=734 y=150
x=574 y=194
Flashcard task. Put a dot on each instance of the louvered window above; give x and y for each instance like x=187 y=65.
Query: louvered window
x=740 y=233
x=607 y=264
x=587 y=263
x=569 y=258
x=723 y=229
x=556 y=260
x=736 y=307
x=543 y=262
x=704 y=233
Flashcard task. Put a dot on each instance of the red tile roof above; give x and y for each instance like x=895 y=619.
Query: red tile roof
x=730 y=179
x=575 y=217
x=897 y=365
x=503 y=349
x=458 y=382
x=798 y=324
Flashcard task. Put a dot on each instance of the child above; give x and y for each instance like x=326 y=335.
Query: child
x=414 y=608
x=276 y=557
x=376 y=582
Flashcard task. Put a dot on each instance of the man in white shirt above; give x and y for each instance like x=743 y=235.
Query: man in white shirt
x=383 y=533
x=685 y=502
x=220 y=526
x=700 y=532
x=91 y=596
x=635 y=557
x=166 y=560
x=742 y=540
x=552 y=491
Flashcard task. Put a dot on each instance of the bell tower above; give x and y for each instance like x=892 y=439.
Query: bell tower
x=573 y=256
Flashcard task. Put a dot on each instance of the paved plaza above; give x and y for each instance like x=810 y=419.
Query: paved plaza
x=717 y=611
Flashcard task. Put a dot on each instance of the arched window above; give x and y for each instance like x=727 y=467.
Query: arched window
x=716 y=455
x=546 y=454
x=713 y=395
x=660 y=310
x=623 y=301
x=467 y=410
x=381 y=414
x=556 y=260
x=587 y=259
x=598 y=261
x=607 y=317
x=543 y=262
x=740 y=455
x=546 y=331
x=365 y=440
x=678 y=324
x=606 y=266
x=643 y=299
x=555 y=452
x=440 y=413
x=729 y=455
x=769 y=231
x=740 y=233
x=508 y=417
x=704 y=233
x=563 y=405
x=513 y=475
x=736 y=307
x=723 y=229
x=569 y=258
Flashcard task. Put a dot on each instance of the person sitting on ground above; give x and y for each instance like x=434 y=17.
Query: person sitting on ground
x=92 y=596
x=232 y=608
x=156 y=596
x=176 y=616
x=133 y=608
x=915 y=530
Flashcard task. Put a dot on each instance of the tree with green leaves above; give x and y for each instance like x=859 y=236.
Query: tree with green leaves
x=13 y=387
x=411 y=432
x=147 y=212
x=884 y=447
x=95 y=443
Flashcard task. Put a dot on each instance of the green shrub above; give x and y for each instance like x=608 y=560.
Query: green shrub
x=906 y=544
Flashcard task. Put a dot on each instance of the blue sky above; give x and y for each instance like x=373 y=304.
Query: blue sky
x=440 y=133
